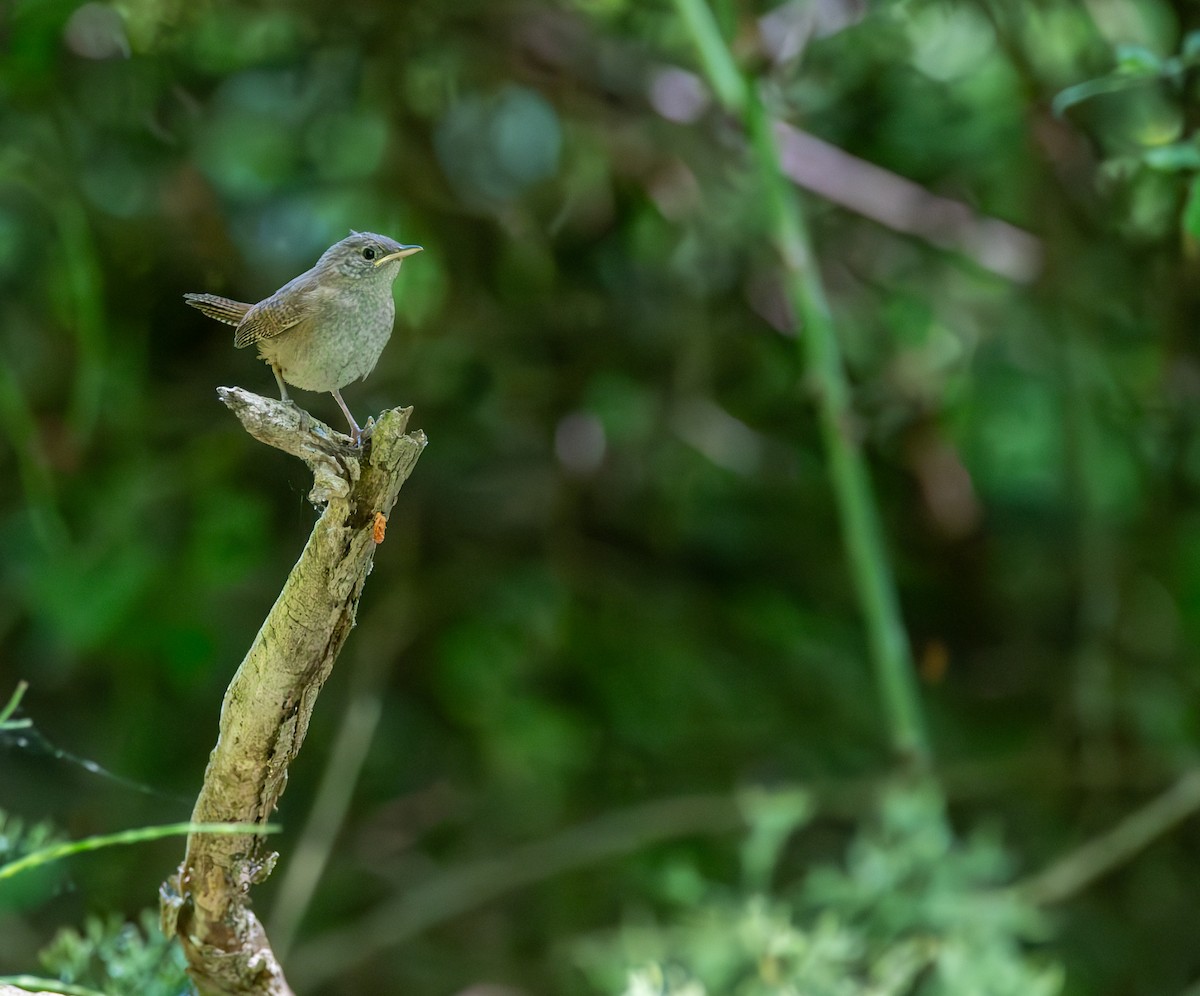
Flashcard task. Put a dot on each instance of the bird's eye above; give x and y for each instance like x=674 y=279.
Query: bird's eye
x=369 y=253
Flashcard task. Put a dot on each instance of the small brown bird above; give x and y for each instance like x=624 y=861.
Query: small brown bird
x=326 y=327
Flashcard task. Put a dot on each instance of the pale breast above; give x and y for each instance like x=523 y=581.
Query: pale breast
x=336 y=344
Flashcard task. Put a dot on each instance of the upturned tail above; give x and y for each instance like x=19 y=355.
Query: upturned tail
x=221 y=308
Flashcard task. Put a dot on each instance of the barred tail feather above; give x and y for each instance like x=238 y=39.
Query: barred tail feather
x=221 y=308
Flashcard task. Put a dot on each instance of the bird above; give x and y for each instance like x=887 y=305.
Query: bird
x=327 y=327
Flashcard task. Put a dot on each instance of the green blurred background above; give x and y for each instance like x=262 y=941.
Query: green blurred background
x=615 y=578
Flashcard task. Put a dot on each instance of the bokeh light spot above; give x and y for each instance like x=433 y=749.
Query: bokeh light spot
x=96 y=31
x=580 y=443
x=493 y=149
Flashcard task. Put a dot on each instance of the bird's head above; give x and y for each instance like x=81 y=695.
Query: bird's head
x=364 y=254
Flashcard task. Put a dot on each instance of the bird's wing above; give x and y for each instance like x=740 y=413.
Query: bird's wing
x=221 y=308
x=271 y=317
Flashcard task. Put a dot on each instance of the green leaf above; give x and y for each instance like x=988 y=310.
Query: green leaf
x=1111 y=83
x=1173 y=158
x=1136 y=64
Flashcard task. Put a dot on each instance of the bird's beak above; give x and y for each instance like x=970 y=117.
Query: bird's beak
x=399 y=254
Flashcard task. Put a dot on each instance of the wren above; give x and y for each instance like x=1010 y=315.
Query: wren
x=326 y=327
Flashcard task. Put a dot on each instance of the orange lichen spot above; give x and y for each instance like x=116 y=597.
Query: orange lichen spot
x=379 y=528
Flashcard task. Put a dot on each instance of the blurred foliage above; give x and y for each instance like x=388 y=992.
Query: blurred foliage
x=911 y=911
x=117 y=958
x=19 y=839
x=617 y=574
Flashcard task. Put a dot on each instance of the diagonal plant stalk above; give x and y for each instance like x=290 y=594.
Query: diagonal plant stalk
x=424 y=905
x=861 y=528
x=1114 y=848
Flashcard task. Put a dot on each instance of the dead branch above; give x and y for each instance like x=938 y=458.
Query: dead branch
x=267 y=706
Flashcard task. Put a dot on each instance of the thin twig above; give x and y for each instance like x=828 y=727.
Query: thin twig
x=1083 y=866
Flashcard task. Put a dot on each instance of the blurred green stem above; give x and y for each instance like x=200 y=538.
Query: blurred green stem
x=6 y=722
x=38 y=986
x=78 y=292
x=139 y=835
x=326 y=818
x=327 y=815
x=861 y=529
x=18 y=424
x=84 y=287
x=1094 y=692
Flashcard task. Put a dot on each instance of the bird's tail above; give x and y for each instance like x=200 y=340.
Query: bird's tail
x=221 y=308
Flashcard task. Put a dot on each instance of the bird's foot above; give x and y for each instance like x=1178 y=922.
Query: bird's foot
x=356 y=434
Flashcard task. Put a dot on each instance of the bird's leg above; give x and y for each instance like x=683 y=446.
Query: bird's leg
x=355 y=431
x=283 y=395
